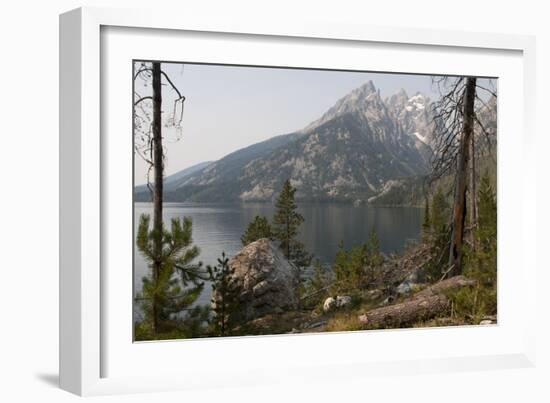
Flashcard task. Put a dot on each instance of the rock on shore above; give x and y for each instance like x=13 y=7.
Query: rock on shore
x=267 y=282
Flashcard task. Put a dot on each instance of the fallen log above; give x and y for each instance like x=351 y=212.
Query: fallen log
x=424 y=305
x=405 y=313
x=450 y=284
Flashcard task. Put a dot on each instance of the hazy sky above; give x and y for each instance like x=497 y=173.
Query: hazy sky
x=229 y=107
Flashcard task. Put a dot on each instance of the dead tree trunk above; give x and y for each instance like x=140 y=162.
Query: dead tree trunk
x=148 y=144
x=157 y=185
x=157 y=147
x=473 y=192
x=459 y=207
x=425 y=305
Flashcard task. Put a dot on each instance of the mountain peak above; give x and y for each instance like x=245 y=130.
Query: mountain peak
x=365 y=97
x=399 y=99
x=362 y=92
x=368 y=87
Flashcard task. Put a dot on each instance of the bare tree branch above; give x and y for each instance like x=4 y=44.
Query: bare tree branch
x=486 y=89
x=142 y=99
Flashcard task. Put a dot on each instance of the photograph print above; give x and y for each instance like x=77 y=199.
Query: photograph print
x=275 y=200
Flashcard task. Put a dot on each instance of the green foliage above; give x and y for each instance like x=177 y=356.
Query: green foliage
x=257 y=229
x=286 y=223
x=224 y=298
x=189 y=326
x=355 y=268
x=348 y=269
x=173 y=283
x=440 y=212
x=486 y=232
x=371 y=251
x=480 y=261
x=437 y=234
x=316 y=288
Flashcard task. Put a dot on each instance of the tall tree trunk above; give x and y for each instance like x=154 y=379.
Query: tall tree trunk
x=473 y=192
x=459 y=207
x=157 y=147
x=157 y=185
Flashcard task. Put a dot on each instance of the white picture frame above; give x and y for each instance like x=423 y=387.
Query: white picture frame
x=86 y=311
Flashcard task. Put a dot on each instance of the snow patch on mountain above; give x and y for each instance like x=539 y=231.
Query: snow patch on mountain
x=421 y=137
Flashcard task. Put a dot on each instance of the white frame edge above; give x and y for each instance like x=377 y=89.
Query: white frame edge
x=79 y=164
x=69 y=202
x=79 y=148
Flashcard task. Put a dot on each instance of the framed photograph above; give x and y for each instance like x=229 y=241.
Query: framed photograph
x=266 y=197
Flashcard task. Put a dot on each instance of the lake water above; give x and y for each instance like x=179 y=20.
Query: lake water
x=218 y=228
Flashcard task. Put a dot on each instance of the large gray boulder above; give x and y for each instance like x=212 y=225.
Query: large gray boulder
x=265 y=280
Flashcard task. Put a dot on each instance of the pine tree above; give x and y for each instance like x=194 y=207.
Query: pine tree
x=349 y=269
x=148 y=139
x=480 y=263
x=487 y=214
x=355 y=268
x=440 y=212
x=372 y=257
x=224 y=297
x=438 y=238
x=286 y=223
x=316 y=288
x=257 y=229
x=173 y=283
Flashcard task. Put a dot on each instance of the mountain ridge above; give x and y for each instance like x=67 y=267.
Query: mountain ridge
x=349 y=154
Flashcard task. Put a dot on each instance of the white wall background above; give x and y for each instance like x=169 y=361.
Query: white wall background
x=29 y=201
